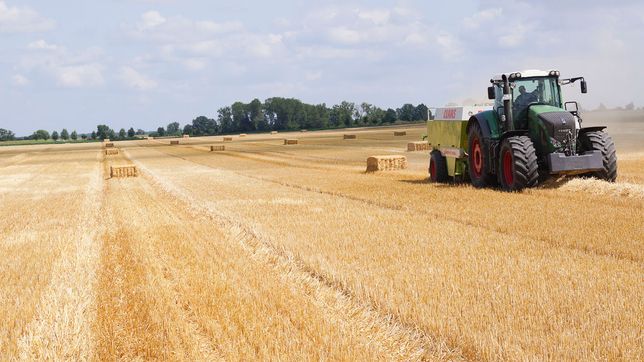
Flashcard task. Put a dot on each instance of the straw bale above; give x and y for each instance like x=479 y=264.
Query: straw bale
x=217 y=148
x=123 y=171
x=174 y=143
x=228 y=139
x=290 y=141
x=386 y=163
x=400 y=133
x=350 y=137
x=417 y=146
x=111 y=151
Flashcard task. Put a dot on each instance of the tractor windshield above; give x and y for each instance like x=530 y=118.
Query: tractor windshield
x=534 y=90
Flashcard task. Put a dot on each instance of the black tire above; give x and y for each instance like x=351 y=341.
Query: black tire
x=437 y=167
x=478 y=159
x=518 y=166
x=601 y=141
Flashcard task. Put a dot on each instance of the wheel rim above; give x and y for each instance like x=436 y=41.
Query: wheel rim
x=508 y=174
x=477 y=157
x=432 y=170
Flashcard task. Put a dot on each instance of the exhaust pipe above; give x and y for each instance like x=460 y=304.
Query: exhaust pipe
x=507 y=104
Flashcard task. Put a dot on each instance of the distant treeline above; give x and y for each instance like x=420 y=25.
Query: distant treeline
x=274 y=114
x=277 y=114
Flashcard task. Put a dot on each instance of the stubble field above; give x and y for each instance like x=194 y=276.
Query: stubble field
x=267 y=251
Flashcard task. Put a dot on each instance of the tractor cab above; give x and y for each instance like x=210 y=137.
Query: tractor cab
x=527 y=88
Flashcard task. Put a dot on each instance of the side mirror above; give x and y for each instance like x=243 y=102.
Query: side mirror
x=584 y=87
x=490 y=93
x=572 y=107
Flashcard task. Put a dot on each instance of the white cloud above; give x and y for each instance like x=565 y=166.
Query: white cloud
x=482 y=17
x=377 y=16
x=42 y=45
x=22 y=20
x=133 y=79
x=150 y=20
x=20 y=80
x=344 y=35
x=77 y=76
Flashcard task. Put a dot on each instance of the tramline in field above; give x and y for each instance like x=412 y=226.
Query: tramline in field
x=529 y=135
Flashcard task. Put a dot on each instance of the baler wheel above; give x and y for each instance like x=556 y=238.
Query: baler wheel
x=518 y=166
x=438 y=167
x=478 y=159
x=601 y=141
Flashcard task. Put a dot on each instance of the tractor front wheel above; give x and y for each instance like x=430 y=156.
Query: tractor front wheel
x=601 y=141
x=518 y=166
x=438 y=167
x=478 y=159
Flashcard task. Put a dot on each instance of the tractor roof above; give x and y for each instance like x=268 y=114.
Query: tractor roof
x=526 y=74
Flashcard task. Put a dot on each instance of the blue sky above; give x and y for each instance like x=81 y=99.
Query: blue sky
x=146 y=63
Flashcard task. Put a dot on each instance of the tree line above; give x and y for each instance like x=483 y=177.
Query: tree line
x=274 y=114
x=277 y=114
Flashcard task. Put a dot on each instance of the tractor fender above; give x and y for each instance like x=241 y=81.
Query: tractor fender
x=483 y=125
x=518 y=132
x=591 y=129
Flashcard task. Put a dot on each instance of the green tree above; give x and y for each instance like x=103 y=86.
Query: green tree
x=94 y=135
x=64 y=135
x=131 y=133
x=225 y=120
x=54 y=135
x=406 y=113
x=6 y=135
x=390 y=116
x=256 y=115
x=421 y=112
x=204 y=126
x=104 y=132
x=187 y=129
x=161 y=131
x=40 y=134
x=74 y=135
x=122 y=134
x=173 y=129
x=140 y=132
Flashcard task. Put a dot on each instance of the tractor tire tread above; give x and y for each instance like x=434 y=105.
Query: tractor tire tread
x=601 y=141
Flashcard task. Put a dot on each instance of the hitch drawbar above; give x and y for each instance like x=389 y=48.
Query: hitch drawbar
x=589 y=161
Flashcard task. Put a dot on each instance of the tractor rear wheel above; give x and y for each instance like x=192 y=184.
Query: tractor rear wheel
x=601 y=141
x=478 y=159
x=438 y=167
x=518 y=166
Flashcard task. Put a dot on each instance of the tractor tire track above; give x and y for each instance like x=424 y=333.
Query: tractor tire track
x=428 y=212
x=396 y=336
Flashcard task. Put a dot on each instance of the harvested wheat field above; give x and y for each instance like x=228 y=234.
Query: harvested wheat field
x=266 y=252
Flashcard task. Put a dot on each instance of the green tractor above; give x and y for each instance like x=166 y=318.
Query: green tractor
x=528 y=136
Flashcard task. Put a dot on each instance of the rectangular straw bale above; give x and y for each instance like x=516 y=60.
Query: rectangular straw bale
x=111 y=151
x=123 y=171
x=217 y=148
x=149 y=138
x=243 y=135
x=228 y=139
x=186 y=136
x=417 y=146
x=304 y=130
x=290 y=141
x=400 y=133
x=350 y=137
x=386 y=163
x=109 y=145
x=273 y=132
x=174 y=143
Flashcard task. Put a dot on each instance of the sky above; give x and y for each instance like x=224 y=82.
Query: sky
x=145 y=63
